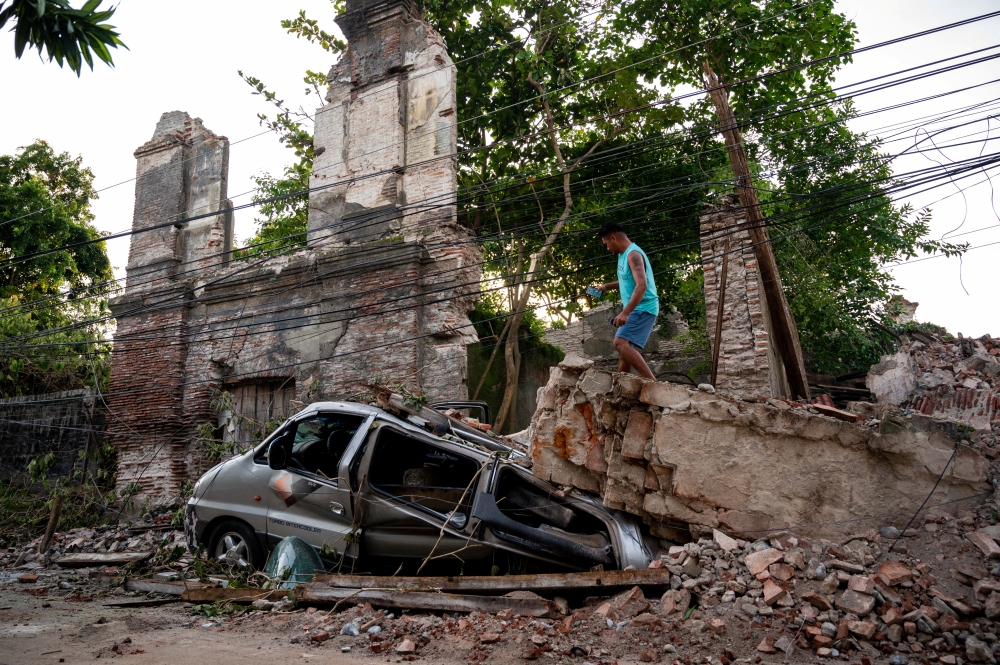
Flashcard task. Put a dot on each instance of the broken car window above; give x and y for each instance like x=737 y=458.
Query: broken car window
x=320 y=441
x=422 y=474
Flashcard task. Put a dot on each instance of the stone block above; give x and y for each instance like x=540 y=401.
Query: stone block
x=596 y=461
x=628 y=385
x=575 y=363
x=725 y=542
x=757 y=562
x=651 y=482
x=986 y=544
x=595 y=383
x=855 y=603
x=640 y=424
x=661 y=394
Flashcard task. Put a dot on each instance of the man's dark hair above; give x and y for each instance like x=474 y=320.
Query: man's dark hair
x=609 y=228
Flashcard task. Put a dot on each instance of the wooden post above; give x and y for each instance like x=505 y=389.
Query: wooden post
x=786 y=338
x=50 y=530
x=718 y=314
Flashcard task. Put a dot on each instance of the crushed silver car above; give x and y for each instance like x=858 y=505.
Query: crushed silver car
x=374 y=491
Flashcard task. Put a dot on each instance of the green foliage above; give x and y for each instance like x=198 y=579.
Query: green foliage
x=45 y=202
x=308 y=29
x=489 y=318
x=66 y=34
x=38 y=468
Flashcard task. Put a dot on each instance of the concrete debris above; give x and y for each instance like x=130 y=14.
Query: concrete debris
x=948 y=379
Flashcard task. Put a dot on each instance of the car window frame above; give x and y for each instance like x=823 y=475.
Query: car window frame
x=349 y=451
x=409 y=504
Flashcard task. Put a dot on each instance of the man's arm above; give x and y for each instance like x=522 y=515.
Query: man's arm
x=638 y=268
x=610 y=286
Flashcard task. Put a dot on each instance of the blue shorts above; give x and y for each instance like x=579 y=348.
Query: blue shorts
x=637 y=328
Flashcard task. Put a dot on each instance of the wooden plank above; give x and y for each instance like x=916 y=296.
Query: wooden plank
x=144 y=602
x=171 y=588
x=83 y=559
x=213 y=594
x=316 y=594
x=548 y=582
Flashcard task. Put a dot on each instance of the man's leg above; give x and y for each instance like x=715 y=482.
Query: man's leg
x=629 y=358
x=623 y=365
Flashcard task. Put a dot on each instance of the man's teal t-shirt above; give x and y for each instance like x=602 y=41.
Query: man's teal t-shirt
x=626 y=283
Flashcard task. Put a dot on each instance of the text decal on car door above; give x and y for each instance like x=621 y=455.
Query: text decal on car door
x=311 y=529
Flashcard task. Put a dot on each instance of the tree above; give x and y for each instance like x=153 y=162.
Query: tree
x=44 y=203
x=568 y=119
x=66 y=34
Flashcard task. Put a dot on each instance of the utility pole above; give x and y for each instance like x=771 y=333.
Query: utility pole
x=785 y=336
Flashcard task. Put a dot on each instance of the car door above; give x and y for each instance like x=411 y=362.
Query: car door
x=410 y=487
x=309 y=498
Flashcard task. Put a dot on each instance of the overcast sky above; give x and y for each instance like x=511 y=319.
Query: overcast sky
x=185 y=55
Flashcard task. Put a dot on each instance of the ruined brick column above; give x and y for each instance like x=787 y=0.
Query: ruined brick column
x=181 y=173
x=386 y=162
x=748 y=365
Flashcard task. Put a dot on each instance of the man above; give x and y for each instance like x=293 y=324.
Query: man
x=639 y=297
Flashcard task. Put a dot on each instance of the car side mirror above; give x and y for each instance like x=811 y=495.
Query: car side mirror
x=277 y=457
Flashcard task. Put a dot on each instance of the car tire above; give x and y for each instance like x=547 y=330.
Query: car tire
x=234 y=544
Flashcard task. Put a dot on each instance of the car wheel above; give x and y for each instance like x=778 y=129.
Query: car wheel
x=234 y=544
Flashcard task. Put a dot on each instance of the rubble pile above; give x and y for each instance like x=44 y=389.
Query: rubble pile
x=954 y=379
x=101 y=539
x=930 y=594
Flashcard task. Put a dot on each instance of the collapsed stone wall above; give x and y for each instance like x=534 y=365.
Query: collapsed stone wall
x=382 y=290
x=688 y=459
x=66 y=424
x=954 y=379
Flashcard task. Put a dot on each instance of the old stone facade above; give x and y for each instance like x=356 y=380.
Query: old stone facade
x=687 y=459
x=382 y=290
x=748 y=363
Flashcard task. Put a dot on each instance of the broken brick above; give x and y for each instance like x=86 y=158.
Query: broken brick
x=773 y=593
x=817 y=601
x=757 y=562
x=861 y=629
x=861 y=584
x=894 y=573
x=856 y=603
